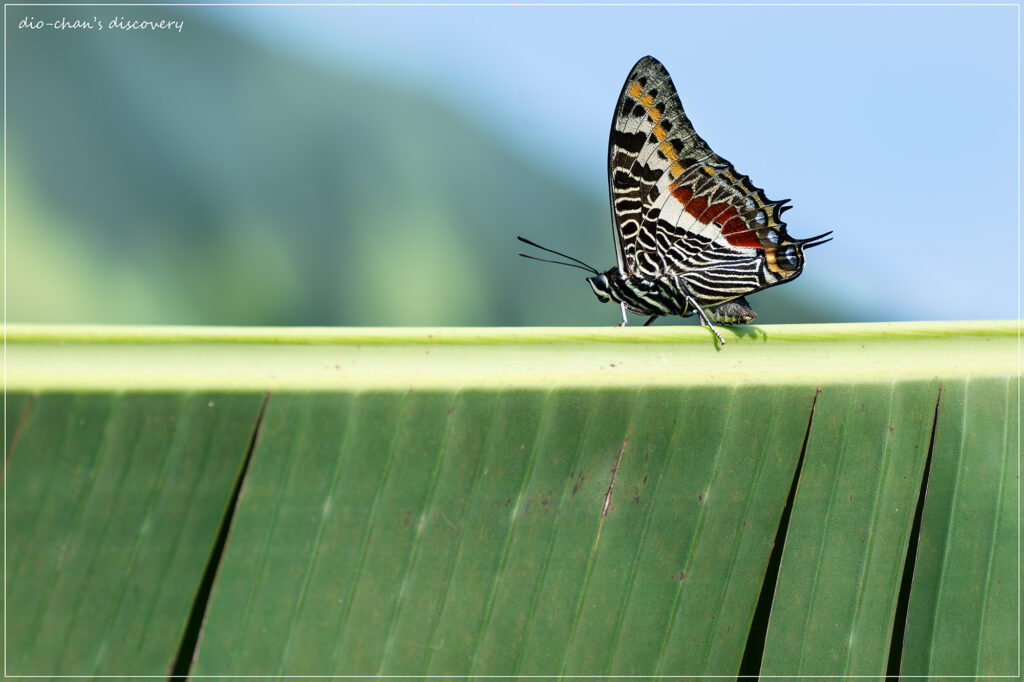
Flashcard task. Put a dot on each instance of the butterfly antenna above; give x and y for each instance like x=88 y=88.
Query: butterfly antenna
x=557 y=262
x=576 y=262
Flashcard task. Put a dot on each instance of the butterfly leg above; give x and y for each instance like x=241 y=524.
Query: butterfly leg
x=624 y=321
x=650 y=319
x=704 y=321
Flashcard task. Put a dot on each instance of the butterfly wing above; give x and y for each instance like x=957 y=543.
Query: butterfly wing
x=679 y=210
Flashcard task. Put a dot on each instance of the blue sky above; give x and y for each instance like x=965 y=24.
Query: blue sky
x=894 y=126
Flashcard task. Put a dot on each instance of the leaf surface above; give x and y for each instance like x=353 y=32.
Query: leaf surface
x=546 y=502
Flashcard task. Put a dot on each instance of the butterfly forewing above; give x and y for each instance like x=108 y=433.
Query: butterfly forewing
x=679 y=209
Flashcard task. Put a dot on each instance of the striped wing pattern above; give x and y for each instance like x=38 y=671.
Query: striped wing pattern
x=682 y=214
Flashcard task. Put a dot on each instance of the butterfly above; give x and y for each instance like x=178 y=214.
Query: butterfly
x=692 y=235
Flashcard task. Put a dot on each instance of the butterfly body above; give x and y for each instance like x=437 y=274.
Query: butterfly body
x=692 y=234
x=641 y=295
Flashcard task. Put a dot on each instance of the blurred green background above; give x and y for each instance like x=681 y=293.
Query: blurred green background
x=243 y=172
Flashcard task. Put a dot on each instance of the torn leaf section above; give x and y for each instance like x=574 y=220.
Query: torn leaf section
x=899 y=621
x=963 y=605
x=114 y=502
x=840 y=574
x=753 y=651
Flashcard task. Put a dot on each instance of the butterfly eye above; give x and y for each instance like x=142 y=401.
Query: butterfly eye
x=791 y=256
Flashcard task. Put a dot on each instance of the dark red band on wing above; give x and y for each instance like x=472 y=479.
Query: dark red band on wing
x=683 y=194
x=734 y=229
x=697 y=206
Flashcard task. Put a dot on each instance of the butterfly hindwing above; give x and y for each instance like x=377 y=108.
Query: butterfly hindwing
x=679 y=209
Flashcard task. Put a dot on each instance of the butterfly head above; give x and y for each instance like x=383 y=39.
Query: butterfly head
x=602 y=288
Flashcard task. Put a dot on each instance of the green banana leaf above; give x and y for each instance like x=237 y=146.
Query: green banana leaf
x=806 y=500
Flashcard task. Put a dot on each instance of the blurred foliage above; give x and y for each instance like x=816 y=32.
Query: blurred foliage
x=207 y=178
